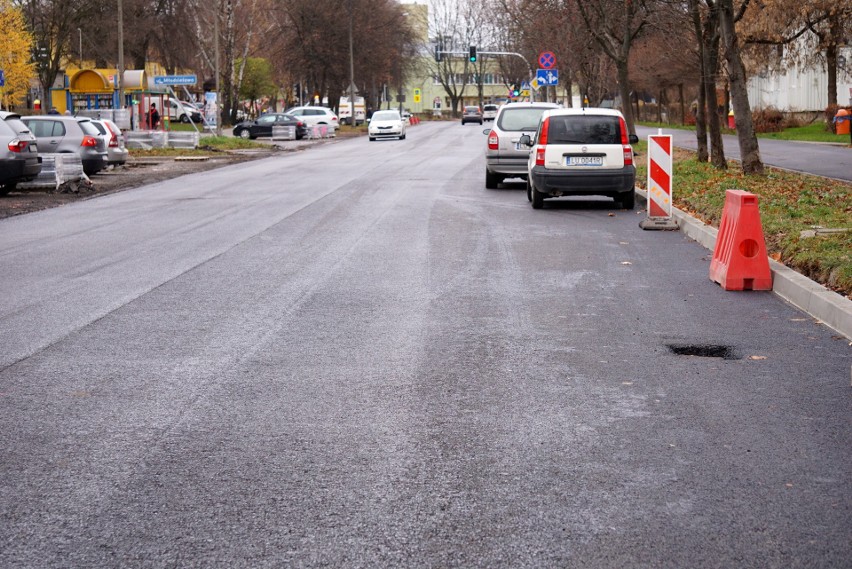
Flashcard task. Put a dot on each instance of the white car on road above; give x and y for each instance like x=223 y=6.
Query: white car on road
x=386 y=124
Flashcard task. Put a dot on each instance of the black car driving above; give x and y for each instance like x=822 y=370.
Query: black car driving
x=263 y=125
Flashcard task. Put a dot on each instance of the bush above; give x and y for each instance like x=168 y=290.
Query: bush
x=768 y=120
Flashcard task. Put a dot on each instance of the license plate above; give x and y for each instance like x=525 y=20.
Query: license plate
x=584 y=161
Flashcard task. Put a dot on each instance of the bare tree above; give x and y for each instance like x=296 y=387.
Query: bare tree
x=615 y=24
x=729 y=14
x=811 y=33
x=53 y=24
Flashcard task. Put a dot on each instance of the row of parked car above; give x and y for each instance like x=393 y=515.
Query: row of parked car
x=23 y=139
x=562 y=152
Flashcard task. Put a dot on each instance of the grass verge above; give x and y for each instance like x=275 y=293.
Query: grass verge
x=791 y=207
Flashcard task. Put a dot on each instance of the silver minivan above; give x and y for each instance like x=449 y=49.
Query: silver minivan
x=504 y=158
x=62 y=133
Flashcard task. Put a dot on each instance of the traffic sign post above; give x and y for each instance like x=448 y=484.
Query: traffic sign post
x=547 y=77
x=175 y=80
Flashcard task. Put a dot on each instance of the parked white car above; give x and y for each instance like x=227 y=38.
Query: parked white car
x=386 y=124
x=315 y=115
x=116 y=151
x=581 y=152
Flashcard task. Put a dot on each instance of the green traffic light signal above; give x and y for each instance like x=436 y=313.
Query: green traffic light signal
x=472 y=54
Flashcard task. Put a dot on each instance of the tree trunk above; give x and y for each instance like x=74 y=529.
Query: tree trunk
x=710 y=51
x=749 y=149
x=624 y=91
x=835 y=32
x=682 y=104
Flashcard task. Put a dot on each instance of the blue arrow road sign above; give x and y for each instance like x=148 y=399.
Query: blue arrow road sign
x=547 y=76
x=2 y=78
x=175 y=80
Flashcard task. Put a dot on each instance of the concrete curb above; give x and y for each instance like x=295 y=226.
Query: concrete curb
x=827 y=306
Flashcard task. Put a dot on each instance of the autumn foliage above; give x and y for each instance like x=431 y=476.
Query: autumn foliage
x=15 y=44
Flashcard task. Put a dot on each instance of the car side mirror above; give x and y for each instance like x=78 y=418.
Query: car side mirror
x=633 y=139
x=525 y=140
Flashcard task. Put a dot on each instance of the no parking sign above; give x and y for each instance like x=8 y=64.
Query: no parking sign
x=546 y=60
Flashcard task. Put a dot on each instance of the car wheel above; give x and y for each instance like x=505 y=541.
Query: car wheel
x=372 y=138
x=245 y=134
x=492 y=180
x=537 y=198
x=7 y=187
x=402 y=137
x=184 y=119
x=628 y=200
x=529 y=190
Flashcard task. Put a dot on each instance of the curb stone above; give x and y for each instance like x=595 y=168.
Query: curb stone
x=828 y=307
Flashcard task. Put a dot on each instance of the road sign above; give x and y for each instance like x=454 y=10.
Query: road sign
x=2 y=78
x=535 y=84
x=417 y=94
x=547 y=76
x=175 y=80
x=546 y=60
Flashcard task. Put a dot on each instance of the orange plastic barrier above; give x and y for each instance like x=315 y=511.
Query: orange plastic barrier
x=739 y=259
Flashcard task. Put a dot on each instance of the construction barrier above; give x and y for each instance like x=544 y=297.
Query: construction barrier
x=58 y=171
x=739 y=260
x=148 y=139
x=283 y=133
x=660 y=175
x=321 y=131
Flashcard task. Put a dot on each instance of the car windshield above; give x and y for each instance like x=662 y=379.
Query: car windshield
x=586 y=129
x=520 y=119
x=471 y=109
x=386 y=116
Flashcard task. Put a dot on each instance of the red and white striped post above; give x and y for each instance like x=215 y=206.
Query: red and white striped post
x=660 y=174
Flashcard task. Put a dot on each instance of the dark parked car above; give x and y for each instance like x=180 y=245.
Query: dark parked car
x=264 y=123
x=72 y=135
x=19 y=159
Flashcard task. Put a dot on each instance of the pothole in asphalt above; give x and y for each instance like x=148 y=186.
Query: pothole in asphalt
x=704 y=351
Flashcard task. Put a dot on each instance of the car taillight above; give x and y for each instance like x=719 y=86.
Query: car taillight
x=89 y=141
x=625 y=144
x=17 y=145
x=542 y=143
x=113 y=141
x=300 y=123
x=493 y=141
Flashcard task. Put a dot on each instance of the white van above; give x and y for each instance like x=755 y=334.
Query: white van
x=177 y=111
x=345 y=110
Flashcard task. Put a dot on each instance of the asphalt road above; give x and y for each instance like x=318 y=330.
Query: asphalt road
x=357 y=356
x=828 y=160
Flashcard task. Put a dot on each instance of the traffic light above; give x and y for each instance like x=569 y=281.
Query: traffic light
x=472 y=54
x=515 y=91
x=438 y=52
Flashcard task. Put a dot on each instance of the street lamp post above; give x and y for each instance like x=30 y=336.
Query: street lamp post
x=351 y=71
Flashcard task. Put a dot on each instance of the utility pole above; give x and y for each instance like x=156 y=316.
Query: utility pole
x=218 y=115
x=120 y=80
x=351 y=71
